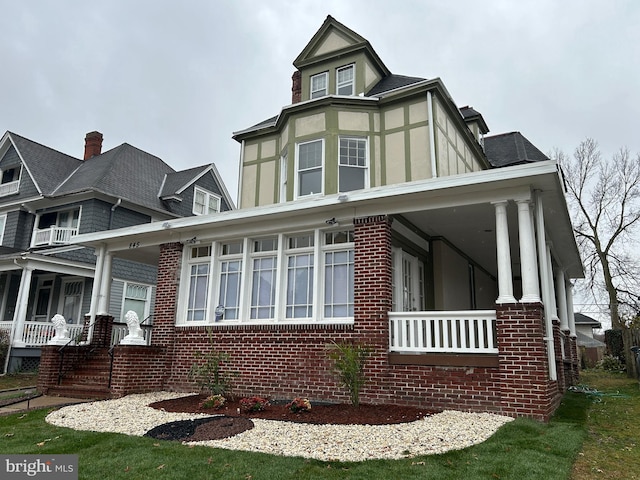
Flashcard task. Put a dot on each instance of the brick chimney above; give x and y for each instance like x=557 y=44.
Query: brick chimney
x=92 y=145
x=296 y=89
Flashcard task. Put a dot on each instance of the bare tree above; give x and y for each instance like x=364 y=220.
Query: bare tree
x=604 y=196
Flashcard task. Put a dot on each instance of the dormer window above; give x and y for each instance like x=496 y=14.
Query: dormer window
x=205 y=202
x=345 y=80
x=319 y=85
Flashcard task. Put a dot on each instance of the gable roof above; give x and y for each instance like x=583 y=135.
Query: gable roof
x=582 y=319
x=333 y=38
x=392 y=82
x=177 y=182
x=46 y=166
x=511 y=149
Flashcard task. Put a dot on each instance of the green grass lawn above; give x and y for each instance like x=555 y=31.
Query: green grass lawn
x=523 y=449
x=18 y=380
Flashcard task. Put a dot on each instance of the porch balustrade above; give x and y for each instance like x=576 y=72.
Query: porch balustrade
x=468 y=331
x=37 y=334
x=9 y=188
x=54 y=235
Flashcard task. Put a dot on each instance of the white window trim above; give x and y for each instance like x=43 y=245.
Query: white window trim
x=326 y=83
x=253 y=255
x=246 y=284
x=352 y=82
x=64 y=281
x=283 y=176
x=207 y=195
x=366 y=160
x=147 y=304
x=185 y=276
x=296 y=193
x=337 y=247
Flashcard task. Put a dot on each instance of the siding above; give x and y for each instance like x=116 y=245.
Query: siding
x=27 y=188
x=18 y=229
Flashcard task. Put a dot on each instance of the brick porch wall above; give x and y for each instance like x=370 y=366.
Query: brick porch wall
x=137 y=369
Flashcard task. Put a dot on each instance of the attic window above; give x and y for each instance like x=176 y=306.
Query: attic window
x=205 y=202
x=319 y=85
x=9 y=181
x=344 y=80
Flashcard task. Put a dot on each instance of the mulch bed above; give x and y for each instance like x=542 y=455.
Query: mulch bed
x=340 y=414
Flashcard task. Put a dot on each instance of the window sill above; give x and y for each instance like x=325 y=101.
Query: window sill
x=236 y=325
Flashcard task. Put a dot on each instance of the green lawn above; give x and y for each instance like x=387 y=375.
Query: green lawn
x=520 y=450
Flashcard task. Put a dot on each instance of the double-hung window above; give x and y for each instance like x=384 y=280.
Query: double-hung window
x=353 y=165
x=263 y=284
x=309 y=165
x=230 y=280
x=136 y=299
x=345 y=77
x=338 y=252
x=299 y=290
x=319 y=85
x=205 y=202
x=197 y=300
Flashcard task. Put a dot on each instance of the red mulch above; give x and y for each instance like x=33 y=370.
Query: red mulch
x=340 y=414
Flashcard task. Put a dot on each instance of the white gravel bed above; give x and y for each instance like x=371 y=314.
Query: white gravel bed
x=449 y=430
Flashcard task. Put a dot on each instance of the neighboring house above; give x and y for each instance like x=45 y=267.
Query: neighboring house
x=591 y=349
x=47 y=198
x=374 y=211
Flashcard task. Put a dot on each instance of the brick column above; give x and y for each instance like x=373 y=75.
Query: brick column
x=558 y=343
x=49 y=368
x=164 y=318
x=372 y=296
x=524 y=368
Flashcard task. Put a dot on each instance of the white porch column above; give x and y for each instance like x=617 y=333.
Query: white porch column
x=530 y=288
x=562 y=301
x=505 y=277
x=97 y=280
x=105 y=285
x=20 y=314
x=570 y=311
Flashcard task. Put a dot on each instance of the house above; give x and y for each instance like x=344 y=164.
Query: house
x=47 y=198
x=373 y=210
x=591 y=349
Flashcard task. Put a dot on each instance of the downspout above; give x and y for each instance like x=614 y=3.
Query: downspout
x=113 y=209
x=432 y=136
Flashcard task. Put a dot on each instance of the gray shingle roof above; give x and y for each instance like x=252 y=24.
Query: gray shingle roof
x=124 y=171
x=47 y=166
x=511 y=149
x=582 y=319
x=391 y=82
x=176 y=181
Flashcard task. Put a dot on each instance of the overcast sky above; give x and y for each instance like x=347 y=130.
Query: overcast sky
x=177 y=78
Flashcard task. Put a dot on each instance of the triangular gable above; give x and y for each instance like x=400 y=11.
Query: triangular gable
x=335 y=38
x=45 y=166
x=176 y=183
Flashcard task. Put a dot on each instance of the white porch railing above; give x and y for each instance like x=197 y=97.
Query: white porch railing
x=54 y=236
x=6 y=327
x=37 y=334
x=9 y=188
x=467 y=331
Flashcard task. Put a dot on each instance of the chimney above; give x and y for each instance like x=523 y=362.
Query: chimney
x=92 y=145
x=296 y=89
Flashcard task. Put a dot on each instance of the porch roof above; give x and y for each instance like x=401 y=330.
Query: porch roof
x=458 y=207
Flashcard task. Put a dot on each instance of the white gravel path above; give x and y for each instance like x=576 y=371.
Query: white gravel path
x=449 y=430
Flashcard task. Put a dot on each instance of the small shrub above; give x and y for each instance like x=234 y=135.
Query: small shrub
x=4 y=346
x=253 y=404
x=348 y=363
x=214 y=401
x=610 y=363
x=299 y=405
x=209 y=376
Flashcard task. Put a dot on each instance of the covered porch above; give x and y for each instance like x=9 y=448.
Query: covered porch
x=461 y=284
